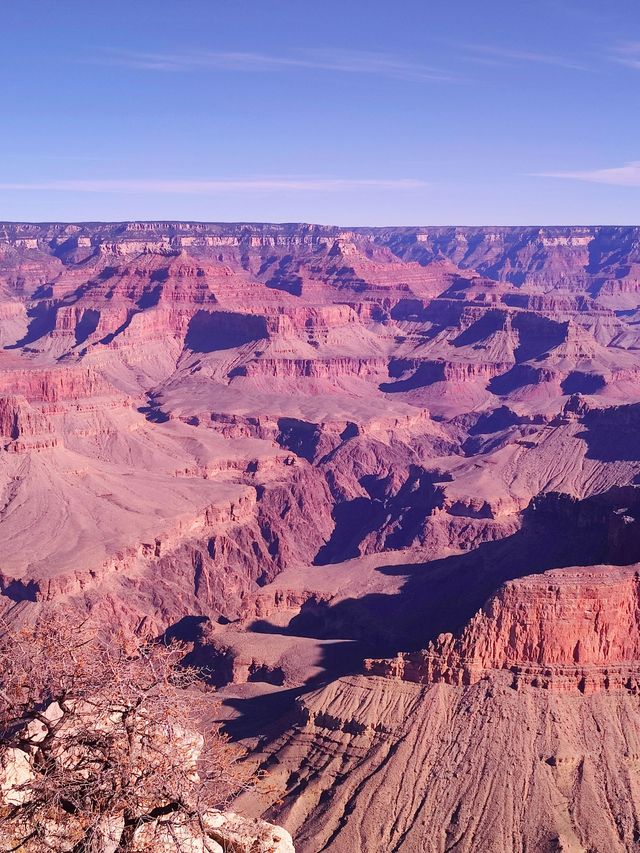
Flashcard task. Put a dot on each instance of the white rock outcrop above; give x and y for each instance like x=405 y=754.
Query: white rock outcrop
x=214 y=831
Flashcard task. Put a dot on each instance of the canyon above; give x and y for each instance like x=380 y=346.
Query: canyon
x=385 y=485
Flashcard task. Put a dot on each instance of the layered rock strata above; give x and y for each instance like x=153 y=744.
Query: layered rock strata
x=571 y=629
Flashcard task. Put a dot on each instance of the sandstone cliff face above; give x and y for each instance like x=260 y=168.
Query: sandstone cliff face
x=23 y=427
x=575 y=629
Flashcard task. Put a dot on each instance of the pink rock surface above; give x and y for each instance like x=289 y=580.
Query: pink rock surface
x=573 y=628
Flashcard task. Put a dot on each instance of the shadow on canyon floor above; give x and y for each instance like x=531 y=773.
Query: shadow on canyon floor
x=442 y=595
x=269 y=714
x=612 y=434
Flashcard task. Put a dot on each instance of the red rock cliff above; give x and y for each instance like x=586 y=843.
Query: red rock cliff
x=566 y=629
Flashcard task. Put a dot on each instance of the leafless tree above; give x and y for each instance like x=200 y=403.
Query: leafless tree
x=103 y=745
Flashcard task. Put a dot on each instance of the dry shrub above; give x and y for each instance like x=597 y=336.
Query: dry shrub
x=109 y=740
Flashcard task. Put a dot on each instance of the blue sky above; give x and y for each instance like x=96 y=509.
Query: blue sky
x=356 y=112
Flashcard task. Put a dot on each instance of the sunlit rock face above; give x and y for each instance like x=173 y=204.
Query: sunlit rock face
x=568 y=629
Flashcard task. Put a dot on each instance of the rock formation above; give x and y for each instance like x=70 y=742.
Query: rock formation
x=521 y=733
x=568 y=629
x=299 y=448
x=223 y=831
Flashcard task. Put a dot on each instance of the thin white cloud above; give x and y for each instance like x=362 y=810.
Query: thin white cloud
x=491 y=55
x=216 y=187
x=628 y=54
x=620 y=176
x=350 y=62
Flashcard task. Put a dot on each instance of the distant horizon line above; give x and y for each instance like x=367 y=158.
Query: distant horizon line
x=301 y=223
